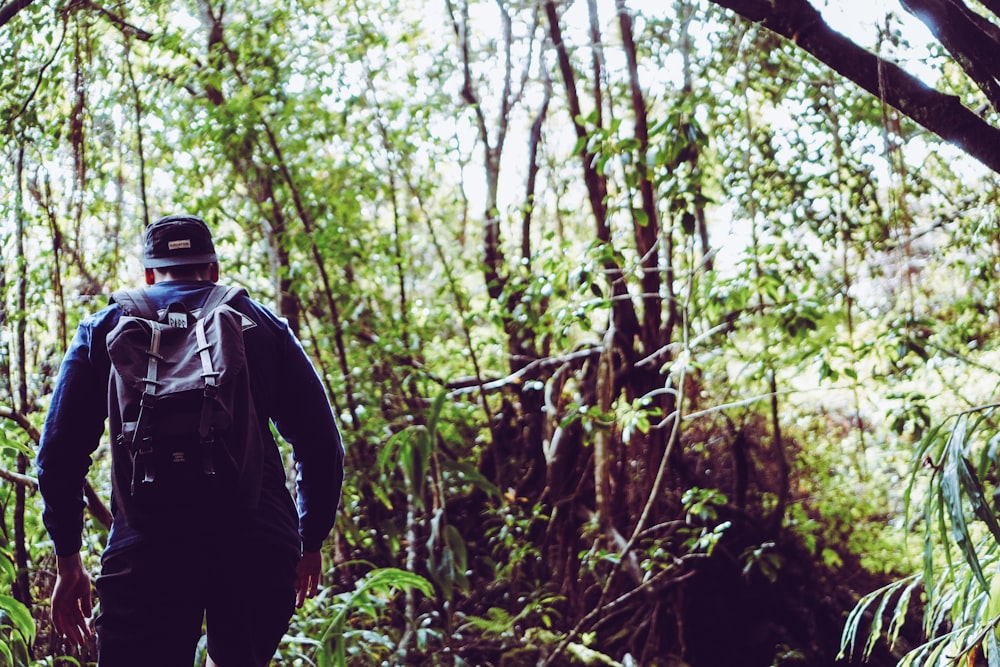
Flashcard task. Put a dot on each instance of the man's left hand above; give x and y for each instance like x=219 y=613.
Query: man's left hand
x=308 y=572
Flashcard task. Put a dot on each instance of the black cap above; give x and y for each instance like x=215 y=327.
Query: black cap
x=177 y=240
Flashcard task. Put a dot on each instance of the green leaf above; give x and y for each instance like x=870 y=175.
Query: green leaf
x=900 y=614
x=993 y=606
x=469 y=473
x=378 y=582
x=456 y=545
x=435 y=414
x=389 y=453
x=977 y=496
x=378 y=490
x=18 y=446
x=7 y=568
x=20 y=616
x=952 y=495
x=992 y=649
x=389 y=578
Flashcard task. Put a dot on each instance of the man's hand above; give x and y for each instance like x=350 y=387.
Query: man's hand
x=71 y=602
x=307 y=576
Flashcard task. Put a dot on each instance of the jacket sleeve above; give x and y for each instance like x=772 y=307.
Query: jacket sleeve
x=72 y=431
x=305 y=419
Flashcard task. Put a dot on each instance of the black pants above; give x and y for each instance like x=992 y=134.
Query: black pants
x=154 y=599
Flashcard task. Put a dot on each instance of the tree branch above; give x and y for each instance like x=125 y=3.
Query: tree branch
x=98 y=509
x=95 y=504
x=18 y=478
x=10 y=10
x=22 y=421
x=124 y=26
x=971 y=39
x=531 y=370
x=942 y=114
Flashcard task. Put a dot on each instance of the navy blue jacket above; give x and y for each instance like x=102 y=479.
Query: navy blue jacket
x=287 y=392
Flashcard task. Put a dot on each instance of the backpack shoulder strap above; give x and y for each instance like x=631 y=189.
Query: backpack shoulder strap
x=219 y=295
x=134 y=302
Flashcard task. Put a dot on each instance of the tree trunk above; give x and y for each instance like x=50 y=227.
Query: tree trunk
x=22 y=589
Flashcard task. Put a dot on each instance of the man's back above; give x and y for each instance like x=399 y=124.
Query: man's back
x=284 y=386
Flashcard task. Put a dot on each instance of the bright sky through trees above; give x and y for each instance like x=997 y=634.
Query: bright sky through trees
x=865 y=20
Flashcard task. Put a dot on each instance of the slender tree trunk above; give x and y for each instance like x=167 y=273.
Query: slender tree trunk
x=781 y=456
x=516 y=450
x=624 y=317
x=687 y=50
x=139 y=142
x=22 y=589
x=647 y=228
x=652 y=260
x=57 y=284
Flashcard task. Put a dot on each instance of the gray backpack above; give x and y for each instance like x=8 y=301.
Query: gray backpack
x=185 y=437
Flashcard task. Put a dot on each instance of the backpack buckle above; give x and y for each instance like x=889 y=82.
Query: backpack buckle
x=208 y=455
x=141 y=459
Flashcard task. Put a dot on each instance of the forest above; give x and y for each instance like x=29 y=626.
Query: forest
x=660 y=334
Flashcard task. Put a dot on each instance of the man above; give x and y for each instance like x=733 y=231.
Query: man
x=240 y=573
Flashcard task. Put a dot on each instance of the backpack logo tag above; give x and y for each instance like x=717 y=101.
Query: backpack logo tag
x=177 y=320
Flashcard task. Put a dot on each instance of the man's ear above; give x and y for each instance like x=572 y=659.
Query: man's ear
x=213 y=272
x=150 y=277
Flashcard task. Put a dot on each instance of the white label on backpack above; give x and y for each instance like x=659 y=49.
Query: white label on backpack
x=177 y=320
x=179 y=245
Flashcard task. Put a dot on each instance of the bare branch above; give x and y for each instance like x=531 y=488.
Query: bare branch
x=40 y=75
x=530 y=370
x=18 y=478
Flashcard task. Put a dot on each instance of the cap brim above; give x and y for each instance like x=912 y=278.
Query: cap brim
x=163 y=262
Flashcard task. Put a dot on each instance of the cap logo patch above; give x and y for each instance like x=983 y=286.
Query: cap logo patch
x=179 y=245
